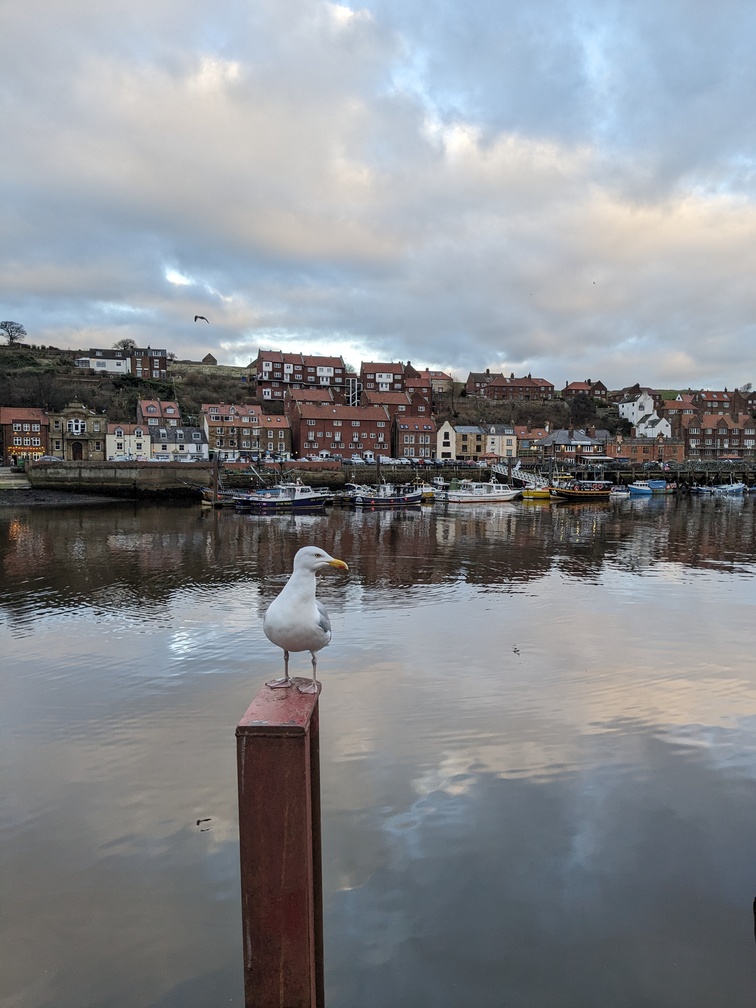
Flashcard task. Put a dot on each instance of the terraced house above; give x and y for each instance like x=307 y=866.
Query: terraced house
x=243 y=432
x=23 y=433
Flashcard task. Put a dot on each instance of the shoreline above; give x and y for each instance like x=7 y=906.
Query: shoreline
x=29 y=497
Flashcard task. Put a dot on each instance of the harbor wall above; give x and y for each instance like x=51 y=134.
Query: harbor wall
x=122 y=479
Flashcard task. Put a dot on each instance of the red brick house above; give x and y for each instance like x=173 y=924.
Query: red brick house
x=713 y=435
x=276 y=372
x=596 y=390
x=239 y=432
x=510 y=389
x=382 y=376
x=414 y=437
x=340 y=430
x=23 y=433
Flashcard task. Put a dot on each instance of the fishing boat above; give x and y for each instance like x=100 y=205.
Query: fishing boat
x=647 y=487
x=583 y=490
x=618 y=491
x=213 y=497
x=720 y=489
x=472 y=492
x=385 y=495
x=284 y=497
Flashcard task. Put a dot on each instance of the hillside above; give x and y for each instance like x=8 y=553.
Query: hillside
x=46 y=377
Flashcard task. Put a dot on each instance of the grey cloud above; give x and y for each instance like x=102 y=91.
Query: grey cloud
x=565 y=188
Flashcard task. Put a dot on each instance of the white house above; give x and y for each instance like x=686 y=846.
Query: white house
x=446 y=441
x=127 y=442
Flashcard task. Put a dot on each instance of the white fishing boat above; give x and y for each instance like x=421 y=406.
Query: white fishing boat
x=385 y=495
x=472 y=492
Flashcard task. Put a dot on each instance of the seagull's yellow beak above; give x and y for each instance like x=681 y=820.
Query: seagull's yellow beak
x=339 y=564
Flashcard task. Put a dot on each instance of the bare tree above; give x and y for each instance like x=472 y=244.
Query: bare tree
x=125 y=344
x=14 y=331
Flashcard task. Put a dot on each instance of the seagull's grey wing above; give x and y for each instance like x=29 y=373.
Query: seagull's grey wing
x=324 y=623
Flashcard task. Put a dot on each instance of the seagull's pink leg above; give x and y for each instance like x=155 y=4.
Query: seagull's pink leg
x=313 y=686
x=286 y=681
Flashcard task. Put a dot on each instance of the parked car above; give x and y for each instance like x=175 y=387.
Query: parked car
x=357 y=460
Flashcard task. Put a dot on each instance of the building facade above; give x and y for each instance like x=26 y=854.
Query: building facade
x=23 y=433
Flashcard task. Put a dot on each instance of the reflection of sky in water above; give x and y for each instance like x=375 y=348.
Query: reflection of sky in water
x=538 y=756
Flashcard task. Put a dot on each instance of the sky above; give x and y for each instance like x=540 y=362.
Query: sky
x=565 y=188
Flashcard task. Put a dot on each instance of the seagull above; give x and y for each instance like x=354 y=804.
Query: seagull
x=200 y=318
x=295 y=620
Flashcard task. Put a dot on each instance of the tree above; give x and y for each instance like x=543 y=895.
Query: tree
x=14 y=331
x=125 y=344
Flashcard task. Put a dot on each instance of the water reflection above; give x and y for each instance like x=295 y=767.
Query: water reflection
x=538 y=756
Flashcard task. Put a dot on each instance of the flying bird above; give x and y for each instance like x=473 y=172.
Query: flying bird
x=295 y=620
x=200 y=318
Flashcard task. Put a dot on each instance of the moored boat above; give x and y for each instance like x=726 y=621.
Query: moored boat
x=283 y=498
x=536 y=493
x=647 y=487
x=472 y=492
x=385 y=495
x=583 y=490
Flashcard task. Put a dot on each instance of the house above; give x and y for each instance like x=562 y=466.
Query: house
x=382 y=376
x=156 y=413
x=518 y=389
x=149 y=363
x=529 y=439
x=478 y=381
x=712 y=402
x=106 y=361
x=470 y=443
x=23 y=433
x=142 y=362
x=340 y=429
x=595 y=390
x=178 y=444
x=439 y=380
x=644 y=449
x=243 y=432
x=446 y=442
x=313 y=396
x=636 y=405
x=575 y=445
x=500 y=441
x=398 y=402
x=652 y=425
x=276 y=372
x=713 y=435
x=125 y=442
x=78 y=434
x=413 y=437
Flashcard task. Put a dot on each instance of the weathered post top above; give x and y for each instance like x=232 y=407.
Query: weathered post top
x=279 y=711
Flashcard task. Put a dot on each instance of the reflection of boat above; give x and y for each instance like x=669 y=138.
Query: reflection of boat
x=283 y=497
x=583 y=490
x=385 y=495
x=471 y=492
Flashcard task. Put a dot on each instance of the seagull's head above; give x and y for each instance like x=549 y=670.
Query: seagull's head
x=312 y=558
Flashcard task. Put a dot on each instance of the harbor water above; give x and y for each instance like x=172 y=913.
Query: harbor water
x=538 y=734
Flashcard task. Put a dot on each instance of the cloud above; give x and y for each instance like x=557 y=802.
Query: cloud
x=562 y=189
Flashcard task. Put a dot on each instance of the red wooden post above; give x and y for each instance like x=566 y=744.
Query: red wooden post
x=278 y=758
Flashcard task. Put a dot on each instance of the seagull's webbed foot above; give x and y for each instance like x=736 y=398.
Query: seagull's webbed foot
x=314 y=686
x=285 y=681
